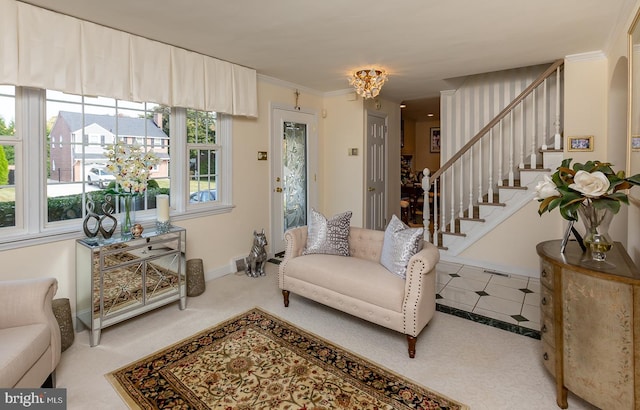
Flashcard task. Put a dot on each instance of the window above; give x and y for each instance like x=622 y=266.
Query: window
x=80 y=163
x=203 y=156
x=49 y=202
x=8 y=146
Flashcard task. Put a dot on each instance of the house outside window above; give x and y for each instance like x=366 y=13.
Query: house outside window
x=203 y=153
x=71 y=136
x=81 y=163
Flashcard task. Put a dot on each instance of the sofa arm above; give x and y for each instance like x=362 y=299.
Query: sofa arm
x=296 y=240
x=25 y=302
x=424 y=261
x=420 y=289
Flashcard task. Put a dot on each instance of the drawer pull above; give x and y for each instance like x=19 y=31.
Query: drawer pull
x=544 y=301
x=544 y=273
x=544 y=329
x=545 y=356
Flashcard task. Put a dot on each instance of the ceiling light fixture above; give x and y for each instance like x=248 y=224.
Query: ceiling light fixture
x=368 y=82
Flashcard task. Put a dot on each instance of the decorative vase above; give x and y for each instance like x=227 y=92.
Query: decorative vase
x=128 y=210
x=596 y=222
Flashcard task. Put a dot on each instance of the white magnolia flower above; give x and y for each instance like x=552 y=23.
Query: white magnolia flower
x=590 y=184
x=546 y=188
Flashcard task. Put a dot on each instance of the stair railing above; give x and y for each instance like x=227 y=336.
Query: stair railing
x=449 y=180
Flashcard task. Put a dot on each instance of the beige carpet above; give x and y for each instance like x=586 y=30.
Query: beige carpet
x=481 y=366
x=258 y=361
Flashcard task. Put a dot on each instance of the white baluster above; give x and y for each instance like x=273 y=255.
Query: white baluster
x=545 y=106
x=522 y=135
x=453 y=200
x=435 y=212
x=470 y=208
x=443 y=205
x=533 y=137
x=490 y=188
x=556 y=137
x=511 y=132
x=461 y=185
x=500 y=156
x=480 y=165
x=426 y=186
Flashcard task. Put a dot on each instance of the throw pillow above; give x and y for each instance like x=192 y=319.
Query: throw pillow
x=400 y=244
x=328 y=236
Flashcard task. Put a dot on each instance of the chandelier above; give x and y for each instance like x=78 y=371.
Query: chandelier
x=368 y=82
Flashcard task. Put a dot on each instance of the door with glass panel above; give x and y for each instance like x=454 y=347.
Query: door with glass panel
x=293 y=174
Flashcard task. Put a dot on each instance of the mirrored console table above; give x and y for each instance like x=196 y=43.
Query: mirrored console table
x=118 y=279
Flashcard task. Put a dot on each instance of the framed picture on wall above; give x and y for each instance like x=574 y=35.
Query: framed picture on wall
x=435 y=139
x=580 y=143
x=635 y=143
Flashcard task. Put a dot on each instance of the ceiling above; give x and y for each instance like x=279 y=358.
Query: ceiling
x=423 y=44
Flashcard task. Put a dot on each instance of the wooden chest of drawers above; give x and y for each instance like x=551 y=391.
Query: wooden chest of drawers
x=590 y=326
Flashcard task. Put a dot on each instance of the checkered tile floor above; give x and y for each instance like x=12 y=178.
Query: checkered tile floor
x=508 y=302
x=514 y=299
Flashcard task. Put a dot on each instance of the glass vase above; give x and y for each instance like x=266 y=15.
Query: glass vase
x=597 y=240
x=128 y=211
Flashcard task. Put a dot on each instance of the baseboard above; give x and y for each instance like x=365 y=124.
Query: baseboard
x=492 y=267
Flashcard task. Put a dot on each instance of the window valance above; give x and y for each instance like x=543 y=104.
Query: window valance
x=44 y=49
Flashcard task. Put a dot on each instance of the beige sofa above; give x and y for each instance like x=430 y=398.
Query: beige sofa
x=30 y=344
x=360 y=285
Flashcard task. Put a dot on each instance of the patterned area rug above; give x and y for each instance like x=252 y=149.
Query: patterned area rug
x=258 y=361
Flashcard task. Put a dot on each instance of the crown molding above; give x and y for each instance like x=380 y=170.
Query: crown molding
x=588 y=56
x=287 y=84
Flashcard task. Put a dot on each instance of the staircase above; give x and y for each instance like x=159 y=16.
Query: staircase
x=495 y=173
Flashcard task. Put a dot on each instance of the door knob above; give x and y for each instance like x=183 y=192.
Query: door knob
x=371 y=189
x=278 y=189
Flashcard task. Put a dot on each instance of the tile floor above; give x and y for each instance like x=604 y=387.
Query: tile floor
x=507 y=302
x=510 y=302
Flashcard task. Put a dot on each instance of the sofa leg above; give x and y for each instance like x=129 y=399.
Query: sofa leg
x=285 y=295
x=50 y=383
x=411 y=340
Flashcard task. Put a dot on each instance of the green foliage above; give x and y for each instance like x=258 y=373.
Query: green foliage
x=4 y=167
x=9 y=150
x=562 y=192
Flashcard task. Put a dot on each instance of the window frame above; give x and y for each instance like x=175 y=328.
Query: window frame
x=32 y=227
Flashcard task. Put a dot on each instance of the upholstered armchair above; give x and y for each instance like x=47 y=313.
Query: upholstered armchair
x=29 y=333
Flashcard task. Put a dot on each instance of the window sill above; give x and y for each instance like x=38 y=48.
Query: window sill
x=50 y=236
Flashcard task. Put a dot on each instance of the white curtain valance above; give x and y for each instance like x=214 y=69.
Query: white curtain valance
x=44 y=49
x=107 y=66
x=9 y=43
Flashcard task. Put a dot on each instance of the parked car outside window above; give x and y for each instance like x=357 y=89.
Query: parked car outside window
x=100 y=177
x=203 y=196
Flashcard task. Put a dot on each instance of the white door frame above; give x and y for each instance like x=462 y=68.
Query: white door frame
x=275 y=147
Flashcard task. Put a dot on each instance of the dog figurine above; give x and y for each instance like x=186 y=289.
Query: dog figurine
x=257 y=256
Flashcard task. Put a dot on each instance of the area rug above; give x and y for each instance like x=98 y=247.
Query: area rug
x=258 y=361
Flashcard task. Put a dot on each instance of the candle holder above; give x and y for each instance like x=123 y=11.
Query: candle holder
x=163 y=226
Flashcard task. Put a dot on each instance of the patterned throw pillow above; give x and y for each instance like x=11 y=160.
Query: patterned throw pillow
x=400 y=244
x=328 y=236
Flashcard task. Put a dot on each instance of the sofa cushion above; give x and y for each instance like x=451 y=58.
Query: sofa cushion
x=328 y=236
x=354 y=277
x=400 y=244
x=20 y=349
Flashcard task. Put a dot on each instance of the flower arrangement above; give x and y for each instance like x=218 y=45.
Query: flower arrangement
x=131 y=166
x=591 y=184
